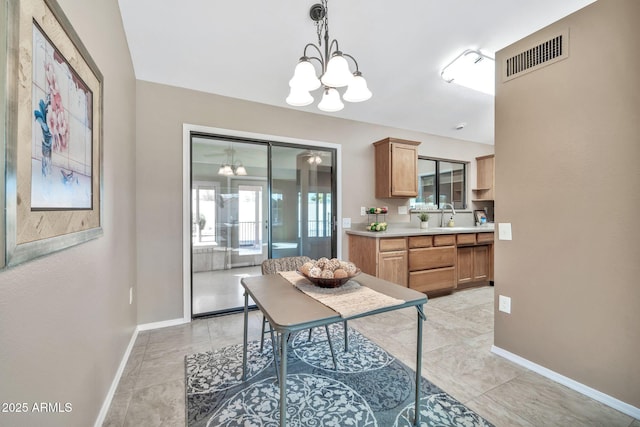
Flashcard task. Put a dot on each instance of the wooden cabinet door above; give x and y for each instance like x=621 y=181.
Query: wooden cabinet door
x=404 y=170
x=396 y=163
x=392 y=266
x=427 y=258
x=436 y=280
x=481 y=263
x=465 y=265
x=485 y=178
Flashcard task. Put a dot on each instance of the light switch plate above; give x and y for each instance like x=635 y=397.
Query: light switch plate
x=346 y=222
x=363 y=211
x=402 y=210
x=504 y=231
x=504 y=304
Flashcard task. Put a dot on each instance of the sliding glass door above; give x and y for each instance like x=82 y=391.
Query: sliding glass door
x=302 y=202
x=252 y=200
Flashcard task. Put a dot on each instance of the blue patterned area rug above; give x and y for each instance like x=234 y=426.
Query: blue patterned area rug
x=368 y=388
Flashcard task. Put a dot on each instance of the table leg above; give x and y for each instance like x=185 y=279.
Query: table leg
x=346 y=337
x=246 y=332
x=284 y=339
x=421 y=318
x=274 y=351
x=333 y=355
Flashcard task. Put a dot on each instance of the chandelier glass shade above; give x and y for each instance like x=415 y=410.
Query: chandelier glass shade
x=335 y=71
x=227 y=169
x=232 y=167
x=314 y=159
x=331 y=101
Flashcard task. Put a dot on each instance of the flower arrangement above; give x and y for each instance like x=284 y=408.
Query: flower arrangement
x=52 y=119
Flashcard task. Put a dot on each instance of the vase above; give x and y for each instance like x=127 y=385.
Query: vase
x=424 y=224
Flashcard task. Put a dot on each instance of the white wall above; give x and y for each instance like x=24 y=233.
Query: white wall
x=65 y=319
x=567 y=177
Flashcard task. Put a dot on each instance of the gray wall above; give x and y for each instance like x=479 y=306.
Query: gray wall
x=65 y=319
x=161 y=112
x=567 y=178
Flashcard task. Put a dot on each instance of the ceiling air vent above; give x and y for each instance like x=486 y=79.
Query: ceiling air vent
x=543 y=54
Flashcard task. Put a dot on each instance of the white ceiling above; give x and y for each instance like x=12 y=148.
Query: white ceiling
x=248 y=50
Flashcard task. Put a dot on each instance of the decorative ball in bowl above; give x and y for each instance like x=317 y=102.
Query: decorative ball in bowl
x=329 y=273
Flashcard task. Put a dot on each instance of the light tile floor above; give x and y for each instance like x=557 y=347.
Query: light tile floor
x=457 y=339
x=219 y=290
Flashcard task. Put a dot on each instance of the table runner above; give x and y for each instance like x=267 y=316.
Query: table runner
x=347 y=300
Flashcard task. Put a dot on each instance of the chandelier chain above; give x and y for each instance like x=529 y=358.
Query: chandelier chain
x=322 y=23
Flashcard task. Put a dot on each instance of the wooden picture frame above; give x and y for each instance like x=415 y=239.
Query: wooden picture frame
x=3 y=126
x=54 y=135
x=479 y=216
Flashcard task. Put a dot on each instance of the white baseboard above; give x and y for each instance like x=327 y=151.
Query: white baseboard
x=114 y=384
x=619 y=405
x=125 y=358
x=163 y=324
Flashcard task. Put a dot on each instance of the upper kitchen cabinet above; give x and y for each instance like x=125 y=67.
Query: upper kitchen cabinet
x=396 y=168
x=485 y=180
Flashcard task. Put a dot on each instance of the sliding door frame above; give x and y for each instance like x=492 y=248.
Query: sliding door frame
x=187 y=131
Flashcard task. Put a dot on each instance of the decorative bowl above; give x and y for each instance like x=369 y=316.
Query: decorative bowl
x=329 y=283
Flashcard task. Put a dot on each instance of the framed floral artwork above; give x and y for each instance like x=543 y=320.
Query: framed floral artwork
x=54 y=155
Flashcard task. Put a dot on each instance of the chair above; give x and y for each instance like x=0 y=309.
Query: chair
x=273 y=266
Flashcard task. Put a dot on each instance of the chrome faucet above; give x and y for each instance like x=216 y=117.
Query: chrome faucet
x=442 y=208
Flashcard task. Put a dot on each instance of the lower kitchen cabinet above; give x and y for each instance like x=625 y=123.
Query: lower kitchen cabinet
x=465 y=265
x=432 y=261
x=385 y=258
x=434 y=280
x=392 y=266
x=474 y=262
x=433 y=264
x=481 y=263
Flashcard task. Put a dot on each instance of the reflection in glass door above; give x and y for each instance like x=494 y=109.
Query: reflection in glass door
x=229 y=207
x=235 y=227
x=302 y=202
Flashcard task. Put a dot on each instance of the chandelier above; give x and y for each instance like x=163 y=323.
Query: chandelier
x=232 y=167
x=335 y=72
x=313 y=158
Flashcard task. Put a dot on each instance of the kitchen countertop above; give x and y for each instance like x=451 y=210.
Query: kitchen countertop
x=397 y=230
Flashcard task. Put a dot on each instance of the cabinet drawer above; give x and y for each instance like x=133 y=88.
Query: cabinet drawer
x=485 y=237
x=438 y=279
x=466 y=239
x=444 y=240
x=420 y=242
x=426 y=258
x=393 y=244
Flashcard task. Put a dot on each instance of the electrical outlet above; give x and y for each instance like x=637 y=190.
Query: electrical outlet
x=346 y=222
x=130 y=296
x=363 y=211
x=504 y=304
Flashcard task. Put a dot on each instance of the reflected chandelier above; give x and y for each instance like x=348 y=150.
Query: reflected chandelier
x=334 y=67
x=232 y=167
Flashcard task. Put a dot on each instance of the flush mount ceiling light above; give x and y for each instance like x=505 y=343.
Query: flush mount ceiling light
x=334 y=69
x=472 y=69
